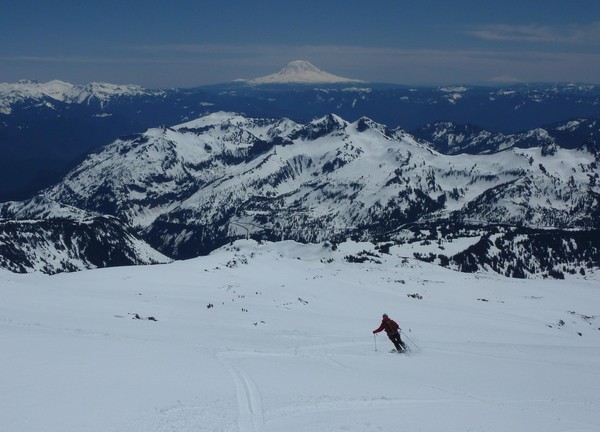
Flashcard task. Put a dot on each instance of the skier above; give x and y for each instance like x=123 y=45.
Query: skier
x=392 y=329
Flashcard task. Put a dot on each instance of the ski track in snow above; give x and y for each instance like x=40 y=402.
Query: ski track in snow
x=248 y=395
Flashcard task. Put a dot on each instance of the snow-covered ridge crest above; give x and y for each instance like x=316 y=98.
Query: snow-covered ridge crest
x=105 y=91
x=452 y=138
x=301 y=72
x=47 y=236
x=13 y=93
x=42 y=208
x=189 y=188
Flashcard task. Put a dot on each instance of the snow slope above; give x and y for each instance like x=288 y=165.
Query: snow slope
x=287 y=346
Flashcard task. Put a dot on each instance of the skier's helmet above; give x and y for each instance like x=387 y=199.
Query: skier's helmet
x=385 y=316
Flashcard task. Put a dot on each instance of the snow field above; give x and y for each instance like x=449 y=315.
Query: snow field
x=287 y=345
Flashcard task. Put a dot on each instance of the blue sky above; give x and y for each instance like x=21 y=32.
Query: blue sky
x=189 y=43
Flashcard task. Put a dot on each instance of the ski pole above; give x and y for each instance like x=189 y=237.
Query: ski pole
x=411 y=341
x=375 y=340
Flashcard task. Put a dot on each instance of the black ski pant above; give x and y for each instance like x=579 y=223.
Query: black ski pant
x=395 y=338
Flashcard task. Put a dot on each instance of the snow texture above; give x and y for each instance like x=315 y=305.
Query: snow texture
x=273 y=337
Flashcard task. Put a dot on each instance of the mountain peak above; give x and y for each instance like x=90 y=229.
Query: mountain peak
x=301 y=72
x=300 y=66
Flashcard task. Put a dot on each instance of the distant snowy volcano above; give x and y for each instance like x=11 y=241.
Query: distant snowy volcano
x=301 y=72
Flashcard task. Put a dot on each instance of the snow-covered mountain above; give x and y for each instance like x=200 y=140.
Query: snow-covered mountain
x=195 y=186
x=278 y=337
x=301 y=72
x=452 y=138
x=357 y=175
x=45 y=93
x=47 y=128
x=49 y=237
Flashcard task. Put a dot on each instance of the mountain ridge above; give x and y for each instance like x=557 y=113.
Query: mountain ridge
x=452 y=138
x=61 y=91
x=193 y=187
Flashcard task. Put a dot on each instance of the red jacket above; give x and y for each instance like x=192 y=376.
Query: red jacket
x=390 y=326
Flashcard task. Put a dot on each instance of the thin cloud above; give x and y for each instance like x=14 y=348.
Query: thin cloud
x=574 y=34
x=505 y=79
x=81 y=59
x=190 y=65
